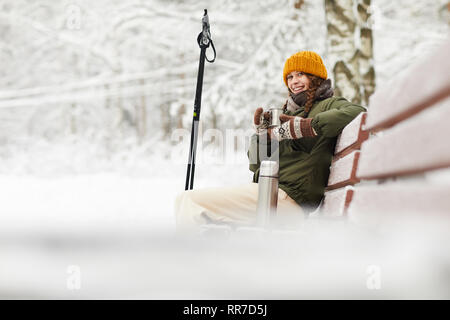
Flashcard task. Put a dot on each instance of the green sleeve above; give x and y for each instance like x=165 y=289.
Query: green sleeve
x=331 y=122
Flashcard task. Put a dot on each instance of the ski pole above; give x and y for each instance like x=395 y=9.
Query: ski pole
x=203 y=40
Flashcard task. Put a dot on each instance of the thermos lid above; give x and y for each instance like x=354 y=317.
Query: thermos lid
x=268 y=169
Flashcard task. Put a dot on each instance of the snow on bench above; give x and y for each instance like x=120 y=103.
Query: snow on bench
x=339 y=192
x=421 y=87
x=404 y=135
x=351 y=137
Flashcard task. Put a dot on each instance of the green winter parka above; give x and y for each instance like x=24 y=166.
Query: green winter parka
x=305 y=162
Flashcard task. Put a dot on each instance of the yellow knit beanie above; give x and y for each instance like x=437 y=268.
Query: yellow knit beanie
x=305 y=61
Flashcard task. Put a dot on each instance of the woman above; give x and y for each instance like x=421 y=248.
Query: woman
x=311 y=121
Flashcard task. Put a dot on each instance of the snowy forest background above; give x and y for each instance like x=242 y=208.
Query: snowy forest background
x=96 y=97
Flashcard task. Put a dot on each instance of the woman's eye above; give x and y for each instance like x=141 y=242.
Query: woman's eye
x=300 y=74
x=289 y=77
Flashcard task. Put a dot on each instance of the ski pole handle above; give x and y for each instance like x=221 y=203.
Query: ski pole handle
x=206 y=33
x=204 y=38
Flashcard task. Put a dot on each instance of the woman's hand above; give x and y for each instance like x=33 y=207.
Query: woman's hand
x=292 y=128
x=285 y=117
x=261 y=121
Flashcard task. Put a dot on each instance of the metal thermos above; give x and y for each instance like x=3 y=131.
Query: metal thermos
x=267 y=192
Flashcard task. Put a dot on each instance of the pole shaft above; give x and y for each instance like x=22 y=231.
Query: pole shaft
x=195 y=120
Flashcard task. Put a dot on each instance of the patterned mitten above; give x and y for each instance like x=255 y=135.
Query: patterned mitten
x=261 y=121
x=292 y=128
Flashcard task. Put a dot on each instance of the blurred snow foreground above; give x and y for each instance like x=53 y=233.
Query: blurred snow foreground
x=330 y=262
x=74 y=238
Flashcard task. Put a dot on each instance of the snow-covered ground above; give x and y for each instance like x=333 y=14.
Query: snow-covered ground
x=329 y=260
x=111 y=235
x=118 y=199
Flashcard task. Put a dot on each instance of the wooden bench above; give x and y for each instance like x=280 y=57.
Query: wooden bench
x=385 y=158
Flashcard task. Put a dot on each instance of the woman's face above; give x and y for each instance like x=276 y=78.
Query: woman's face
x=297 y=82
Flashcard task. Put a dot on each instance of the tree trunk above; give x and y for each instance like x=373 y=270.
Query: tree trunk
x=366 y=68
x=353 y=72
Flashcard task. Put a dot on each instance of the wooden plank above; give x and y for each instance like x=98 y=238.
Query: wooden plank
x=352 y=136
x=420 y=87
x=343 y=171
x=396 y=200
x=416 y=145
x=335 y=202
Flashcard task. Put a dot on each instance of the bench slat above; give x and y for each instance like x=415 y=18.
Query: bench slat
x=407 y=96
x=352 y=136
x=335 y=202
x=343 y=171
x=398 y=200
x=413 y=146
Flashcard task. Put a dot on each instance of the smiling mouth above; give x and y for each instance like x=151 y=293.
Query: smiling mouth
x=298 y=89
